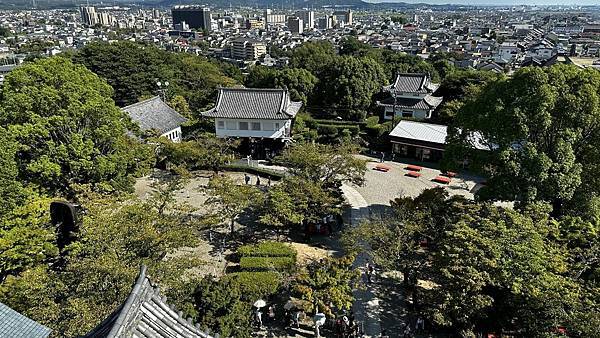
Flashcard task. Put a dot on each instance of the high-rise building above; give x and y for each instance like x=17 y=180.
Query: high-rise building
x=88 y=15
x=327 y=22
x=295 y=25
x=343 y=17
x=195 y=16
x=273 y=19
x=105 y=19
x=244 y=49
x=308 y=17
x=155 y=14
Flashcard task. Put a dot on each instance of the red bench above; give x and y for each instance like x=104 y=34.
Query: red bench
x=414 y=174
x=383 y=167
x=442 y=179
x=413 y=167
x=449 y=174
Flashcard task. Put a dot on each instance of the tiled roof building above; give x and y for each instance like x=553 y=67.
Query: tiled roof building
x=15 y=325
x=155 y=114
x=253 y=103
x=262 y=118
x=146 y=313
x=411 y=96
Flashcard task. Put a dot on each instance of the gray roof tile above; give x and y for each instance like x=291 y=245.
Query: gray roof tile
x=413 y=83
x=253 y=103
x=154 y=114
x=426 y=103
x=146 y=314
x=15 y=325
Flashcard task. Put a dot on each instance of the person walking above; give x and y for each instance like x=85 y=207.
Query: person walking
x=259 y=318
x=382 y=159
x=297 y=319
x=257 y=180
x=420 y=327
x=246 y=179
x=368 y=272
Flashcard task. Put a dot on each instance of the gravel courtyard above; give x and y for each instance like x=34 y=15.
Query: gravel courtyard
x=381 y=187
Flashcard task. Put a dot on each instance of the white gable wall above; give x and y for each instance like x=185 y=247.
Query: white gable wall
x=253 y=128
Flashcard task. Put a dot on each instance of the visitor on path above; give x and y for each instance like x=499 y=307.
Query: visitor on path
x=272 y=313
x=371 y=272
x=407 y=333
x=269 y=181
x=246 y=179
x=259 y=319
x=297 y=319
x=257 y=180
x=368 y=272
x=420 y=325
x=382 y=158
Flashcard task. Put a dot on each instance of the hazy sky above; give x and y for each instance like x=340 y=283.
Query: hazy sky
x=500 y=2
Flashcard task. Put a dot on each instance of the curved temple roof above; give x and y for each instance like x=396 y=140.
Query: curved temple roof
x=146 y=313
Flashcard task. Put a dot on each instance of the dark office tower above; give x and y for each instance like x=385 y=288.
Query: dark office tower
x=195 y=16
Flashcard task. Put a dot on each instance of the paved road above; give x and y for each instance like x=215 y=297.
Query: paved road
x=366 y=304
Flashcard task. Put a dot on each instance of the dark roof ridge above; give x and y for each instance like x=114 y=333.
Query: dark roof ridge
x=252 y=89
x=123 y=312
x=142 y=102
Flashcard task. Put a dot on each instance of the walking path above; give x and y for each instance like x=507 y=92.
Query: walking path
x=366 y=304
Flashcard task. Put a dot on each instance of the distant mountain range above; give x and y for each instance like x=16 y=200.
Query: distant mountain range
x=357 y=4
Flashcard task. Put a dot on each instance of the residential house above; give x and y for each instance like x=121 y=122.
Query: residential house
x=155 y=115
x=261 y=117
x=410 y=97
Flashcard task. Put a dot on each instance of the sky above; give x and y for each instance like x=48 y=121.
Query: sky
x=500 y=2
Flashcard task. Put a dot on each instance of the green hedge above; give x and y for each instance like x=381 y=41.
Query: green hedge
x=340 y=122
x=331 y=129
x=274 y=174
x=255 y=285
x=267 y=263
x=267 y=249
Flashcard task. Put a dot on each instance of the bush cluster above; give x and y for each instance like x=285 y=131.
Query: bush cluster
x=267 y=249
x=267 y=263
x=255 y=285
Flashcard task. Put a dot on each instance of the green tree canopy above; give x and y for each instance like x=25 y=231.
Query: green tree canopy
x=231 y=199
x=299 y=81
x=67 y=128
x=133 y=70
x=326 y=164
x=347 y=86
x=487 y=268
x=313 y=56
x=541 y=125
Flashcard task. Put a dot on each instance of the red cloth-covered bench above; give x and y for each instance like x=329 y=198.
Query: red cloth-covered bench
x=449 y=174
x=442 y=179
x=413 y=174
x=412 y=167
x=383 y=167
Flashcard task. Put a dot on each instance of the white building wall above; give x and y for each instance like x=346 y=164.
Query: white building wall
x=416 y=113
x=173 y=135
x=268 y=128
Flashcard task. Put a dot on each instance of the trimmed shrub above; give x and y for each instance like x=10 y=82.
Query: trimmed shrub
x=340 y=122
x=255 y=285
x=331 y=129
x=267 y=249
x=267 y=263
x=274 y=174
